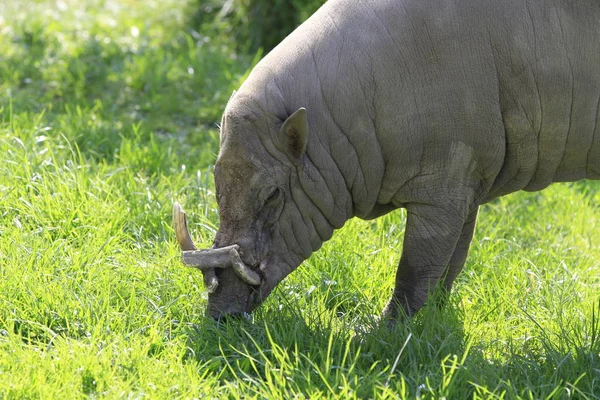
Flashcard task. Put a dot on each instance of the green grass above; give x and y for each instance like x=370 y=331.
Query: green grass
x=107 y=114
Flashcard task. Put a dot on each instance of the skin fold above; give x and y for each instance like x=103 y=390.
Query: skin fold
x=434 y=106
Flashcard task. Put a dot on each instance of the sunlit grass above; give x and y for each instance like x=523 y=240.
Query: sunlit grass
x=107 y=115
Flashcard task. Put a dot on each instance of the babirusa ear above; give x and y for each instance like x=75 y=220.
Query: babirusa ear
x=293 y=133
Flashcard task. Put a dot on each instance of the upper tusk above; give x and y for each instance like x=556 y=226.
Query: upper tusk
x=181 y=231
x=247 y=275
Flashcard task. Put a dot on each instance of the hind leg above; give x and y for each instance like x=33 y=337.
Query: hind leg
x=436 y=237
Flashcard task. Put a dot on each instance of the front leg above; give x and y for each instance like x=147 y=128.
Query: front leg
x=430 y=239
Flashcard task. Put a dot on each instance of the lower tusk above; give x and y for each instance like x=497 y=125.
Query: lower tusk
x=210 y=280
x=211 y=258
x=247 y=275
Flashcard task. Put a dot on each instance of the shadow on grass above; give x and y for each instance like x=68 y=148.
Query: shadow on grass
x=430 y=354
x=324 y=355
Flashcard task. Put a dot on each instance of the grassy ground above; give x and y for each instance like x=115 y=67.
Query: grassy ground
x=107 y=115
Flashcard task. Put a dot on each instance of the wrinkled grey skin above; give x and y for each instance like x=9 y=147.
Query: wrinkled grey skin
x=435 y=106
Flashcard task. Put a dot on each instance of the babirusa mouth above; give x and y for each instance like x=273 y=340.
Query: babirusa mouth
x=209 y=259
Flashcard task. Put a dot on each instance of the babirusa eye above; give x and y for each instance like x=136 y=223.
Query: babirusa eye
x=274 y=195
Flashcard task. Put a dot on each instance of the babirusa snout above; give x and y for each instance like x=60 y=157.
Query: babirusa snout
x=208 y=260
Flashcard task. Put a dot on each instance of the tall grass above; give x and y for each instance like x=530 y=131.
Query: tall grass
x=107 y=115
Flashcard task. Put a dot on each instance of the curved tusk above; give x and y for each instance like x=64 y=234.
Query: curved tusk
x=247 y=275
x=210 y=280
x=181 y=230
x=187 y=244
